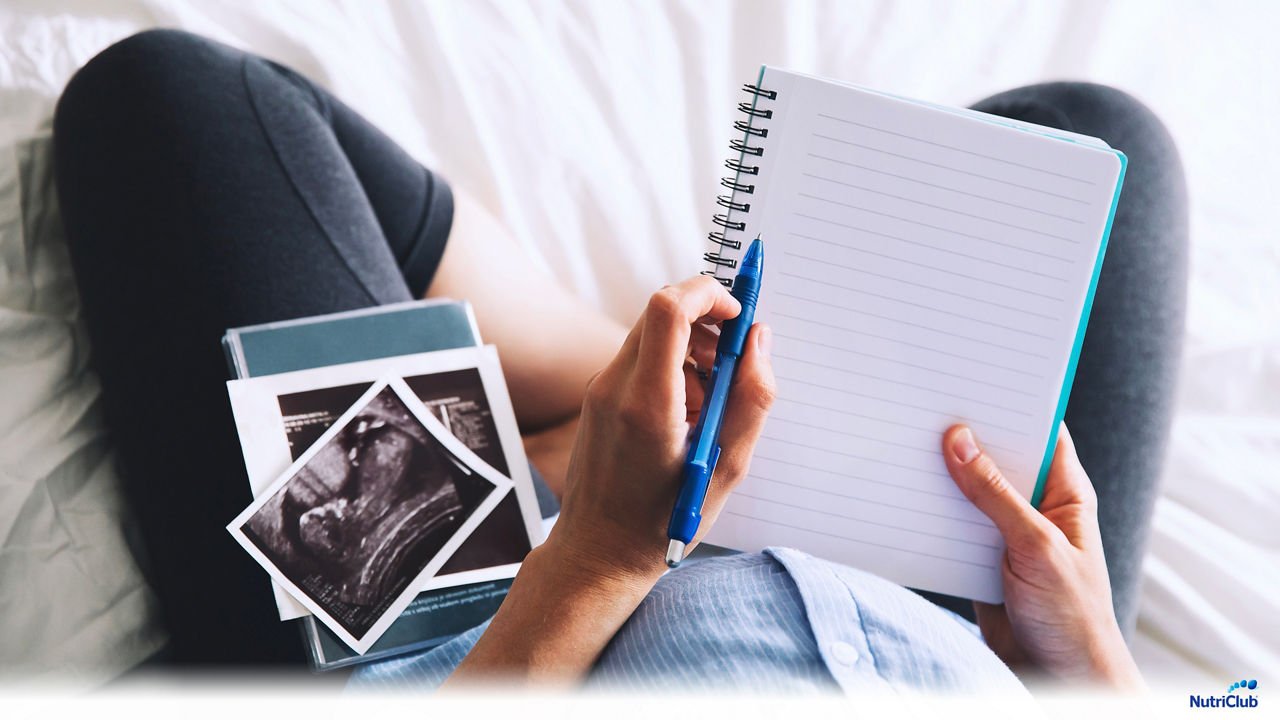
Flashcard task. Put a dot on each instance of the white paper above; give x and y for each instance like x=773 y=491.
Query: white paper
x=266 y=449
x=474 y=467
x=922 y=268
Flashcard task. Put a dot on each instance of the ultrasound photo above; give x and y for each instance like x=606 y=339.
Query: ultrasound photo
x=362 y=517
x=457 y=399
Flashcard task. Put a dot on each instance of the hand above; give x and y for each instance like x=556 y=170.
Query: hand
x=1057 y=614
x=633 y=436
x=609 y=546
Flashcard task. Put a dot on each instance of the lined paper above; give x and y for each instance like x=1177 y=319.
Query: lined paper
x=922 y=267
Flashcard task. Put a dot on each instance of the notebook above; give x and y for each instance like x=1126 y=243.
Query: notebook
x=923 y=266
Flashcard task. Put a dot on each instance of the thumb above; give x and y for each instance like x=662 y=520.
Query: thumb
x=750 y=400
x=1069 y=497
x=977 y=476
x=1067 y=481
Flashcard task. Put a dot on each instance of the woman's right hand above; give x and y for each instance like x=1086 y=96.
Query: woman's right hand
x=628 y=458
x=1057 y=615
x=608 y=548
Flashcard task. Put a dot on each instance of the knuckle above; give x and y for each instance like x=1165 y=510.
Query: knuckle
x=1088 y=494
x=989 y=479
x=600 y=392
x=731 y=470
x=595 y=377
x=764 y=394
x=635 y=416
x=708 y=281
x=665 y=304
x=1038 y=540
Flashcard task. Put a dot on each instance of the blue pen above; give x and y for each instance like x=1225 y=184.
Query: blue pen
x=704 y=445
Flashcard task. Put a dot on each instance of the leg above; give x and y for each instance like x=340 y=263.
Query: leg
x=1121 y=405
x=203 y=188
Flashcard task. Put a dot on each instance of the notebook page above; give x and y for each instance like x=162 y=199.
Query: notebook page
x=922 y=268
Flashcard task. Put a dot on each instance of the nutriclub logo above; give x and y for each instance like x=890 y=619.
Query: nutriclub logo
x=1235 y=697
x=1243 y=685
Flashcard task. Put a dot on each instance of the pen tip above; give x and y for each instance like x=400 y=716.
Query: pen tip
x=675 y=553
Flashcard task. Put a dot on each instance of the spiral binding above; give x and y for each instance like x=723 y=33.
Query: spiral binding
x=734 y=208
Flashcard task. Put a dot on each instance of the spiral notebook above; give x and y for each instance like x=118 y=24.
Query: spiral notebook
x=924 y=266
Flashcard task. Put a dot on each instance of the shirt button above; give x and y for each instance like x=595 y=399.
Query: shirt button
x=843 y=653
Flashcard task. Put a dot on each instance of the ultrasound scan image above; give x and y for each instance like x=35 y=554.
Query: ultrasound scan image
x=362 y=518
x=457 y=399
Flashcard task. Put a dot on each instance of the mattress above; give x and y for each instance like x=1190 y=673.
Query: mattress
x=596 y=132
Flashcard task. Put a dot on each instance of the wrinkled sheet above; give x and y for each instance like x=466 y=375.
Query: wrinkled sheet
x=596 y=132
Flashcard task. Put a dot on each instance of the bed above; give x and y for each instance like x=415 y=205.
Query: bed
x=596 y=132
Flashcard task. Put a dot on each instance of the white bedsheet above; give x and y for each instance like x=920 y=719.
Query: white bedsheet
x=596 y=131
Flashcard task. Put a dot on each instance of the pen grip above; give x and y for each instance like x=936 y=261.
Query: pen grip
x=687 y=515
x=733 y=332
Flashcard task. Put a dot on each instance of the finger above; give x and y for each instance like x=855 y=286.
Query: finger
x=977 y=476
x=626 y=356
x=991 y=611
x=666 y=327
x=702 y=346
x=750 y=399
x=694 y=391
x=997 y=630
x=1069 y=498
x=1067 y=481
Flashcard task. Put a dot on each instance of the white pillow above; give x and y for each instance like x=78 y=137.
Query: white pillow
x=73 y=603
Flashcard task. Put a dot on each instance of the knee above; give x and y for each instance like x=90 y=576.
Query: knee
x=1104 y=112
x=135 y=81
x=1107 y=113
x=132 y=106
x=1155 y=176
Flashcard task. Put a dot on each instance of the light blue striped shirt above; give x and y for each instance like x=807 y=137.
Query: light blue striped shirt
x=779 y=620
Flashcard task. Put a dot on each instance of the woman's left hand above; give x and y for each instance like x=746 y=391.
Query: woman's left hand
x=1057 y=615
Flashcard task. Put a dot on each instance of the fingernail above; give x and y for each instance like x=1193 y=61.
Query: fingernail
x=765 y=341
x=964 y=447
